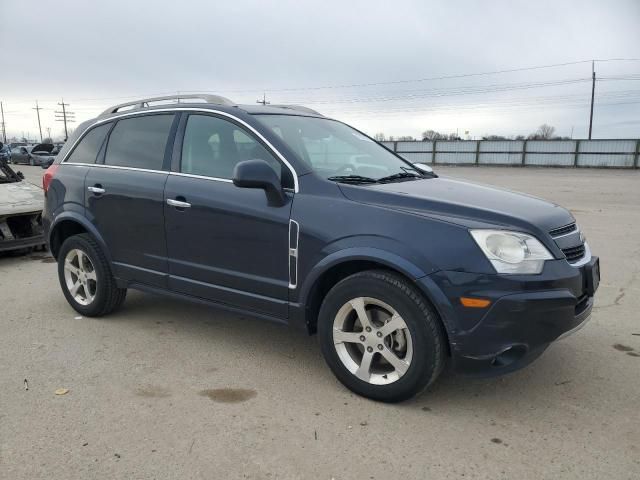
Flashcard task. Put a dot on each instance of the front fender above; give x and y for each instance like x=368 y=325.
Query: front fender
x=383 y=257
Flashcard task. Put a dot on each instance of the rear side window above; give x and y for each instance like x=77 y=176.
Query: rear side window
x=87 y=150
x=139 y=142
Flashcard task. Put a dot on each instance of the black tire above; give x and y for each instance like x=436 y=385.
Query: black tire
x=108 y=297
x=424 y=325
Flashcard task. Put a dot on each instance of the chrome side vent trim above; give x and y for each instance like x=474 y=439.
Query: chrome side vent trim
x=294 y=237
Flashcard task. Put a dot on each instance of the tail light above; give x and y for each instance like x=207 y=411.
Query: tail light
x=48 y=176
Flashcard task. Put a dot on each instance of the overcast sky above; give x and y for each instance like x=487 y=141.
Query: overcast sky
x=326 y=54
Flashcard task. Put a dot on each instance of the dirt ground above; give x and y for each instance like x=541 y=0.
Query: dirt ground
x=169 y=390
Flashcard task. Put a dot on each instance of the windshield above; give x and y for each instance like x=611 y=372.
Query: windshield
x=333 y=149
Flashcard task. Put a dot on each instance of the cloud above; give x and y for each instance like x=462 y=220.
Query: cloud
x=95 y=53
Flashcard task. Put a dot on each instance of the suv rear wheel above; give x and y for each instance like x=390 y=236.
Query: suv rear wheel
x=380 y=337
x=86 y=278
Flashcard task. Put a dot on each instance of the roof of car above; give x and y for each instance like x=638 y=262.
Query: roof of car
x=206 y=101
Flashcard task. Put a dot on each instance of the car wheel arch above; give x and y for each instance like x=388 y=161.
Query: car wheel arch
x=69 y=224
x=342 y=264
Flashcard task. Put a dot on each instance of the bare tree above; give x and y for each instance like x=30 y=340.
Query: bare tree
x=544 y=132
x=432 y=135
x=405 y=138
x=379 y=137
x=494 y=137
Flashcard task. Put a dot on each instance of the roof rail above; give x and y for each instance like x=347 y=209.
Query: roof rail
x=144 y=102
x=299 y=108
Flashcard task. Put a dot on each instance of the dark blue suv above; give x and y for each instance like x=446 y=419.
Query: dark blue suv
x=281 y=213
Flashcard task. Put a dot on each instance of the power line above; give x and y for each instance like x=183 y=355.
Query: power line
x=65 y=116
x=354 y=85
x=447 y=77
x=264 y=99
x=4 y=127
x=37 y=109
x=593 y=92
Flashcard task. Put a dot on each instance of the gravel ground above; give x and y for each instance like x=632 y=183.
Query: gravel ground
x=166 y=389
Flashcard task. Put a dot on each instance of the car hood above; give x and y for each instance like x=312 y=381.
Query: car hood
x=43 y=149
x=20 y=197
x=465 y=203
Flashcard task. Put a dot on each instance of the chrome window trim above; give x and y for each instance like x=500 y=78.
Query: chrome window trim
x=203 y=177
x=136 y=169
x=274 y=150
x=115 y=167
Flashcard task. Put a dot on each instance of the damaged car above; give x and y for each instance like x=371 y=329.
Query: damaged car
x=45 y=156
x=43 y=153
x=20 y=211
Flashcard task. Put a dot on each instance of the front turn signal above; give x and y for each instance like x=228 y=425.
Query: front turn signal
x=474 y=302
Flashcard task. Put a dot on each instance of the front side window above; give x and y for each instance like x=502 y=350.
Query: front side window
x=333 y=149
x=212 y=147
x=87 y=150
x=139 y=142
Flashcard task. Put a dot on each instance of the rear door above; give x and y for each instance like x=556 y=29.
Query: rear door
x=124 y=197
x=228 y=245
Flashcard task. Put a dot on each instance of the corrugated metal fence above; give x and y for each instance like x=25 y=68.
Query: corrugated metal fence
x=549 y=153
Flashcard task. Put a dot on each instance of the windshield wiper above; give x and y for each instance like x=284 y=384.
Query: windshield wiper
x=399 y=176
x=352 y=179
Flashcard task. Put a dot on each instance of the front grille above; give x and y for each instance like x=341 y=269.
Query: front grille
x=556 y=232
x=574 y=254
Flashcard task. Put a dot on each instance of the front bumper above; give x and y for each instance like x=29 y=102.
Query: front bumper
x=21 y=231
x=35 y=241
x=526 y=314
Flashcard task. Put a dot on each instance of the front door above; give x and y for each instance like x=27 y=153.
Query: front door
x=225 y=243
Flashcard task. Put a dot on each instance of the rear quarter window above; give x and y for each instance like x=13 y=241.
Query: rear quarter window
x=139 y=142
x=87 y=150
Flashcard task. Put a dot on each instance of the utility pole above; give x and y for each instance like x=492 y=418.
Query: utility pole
x=264 y=99
x=593 y=91
x=37 y=109
x=4 y=128
x=64 y=116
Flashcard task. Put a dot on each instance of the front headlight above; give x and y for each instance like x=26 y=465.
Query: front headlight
x=512 y=252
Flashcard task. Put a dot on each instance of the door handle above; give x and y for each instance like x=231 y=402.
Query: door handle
x=97 y=190
x=177 y=203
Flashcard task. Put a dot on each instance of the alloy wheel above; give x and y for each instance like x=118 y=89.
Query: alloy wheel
x=372 y=340
x=80 y=276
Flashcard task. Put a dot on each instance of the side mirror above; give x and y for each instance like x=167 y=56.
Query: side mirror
x=259 y=174
x=424 y=168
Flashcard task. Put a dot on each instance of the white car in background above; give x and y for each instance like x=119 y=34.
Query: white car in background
x=21 y=205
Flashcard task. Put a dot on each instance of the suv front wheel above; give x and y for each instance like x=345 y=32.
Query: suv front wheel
x=380 y=337
x=86 y=278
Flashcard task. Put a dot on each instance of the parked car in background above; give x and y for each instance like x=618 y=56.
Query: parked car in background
x=21 y=154
x=5 y=153
x=44 y=154
x=20 y=211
